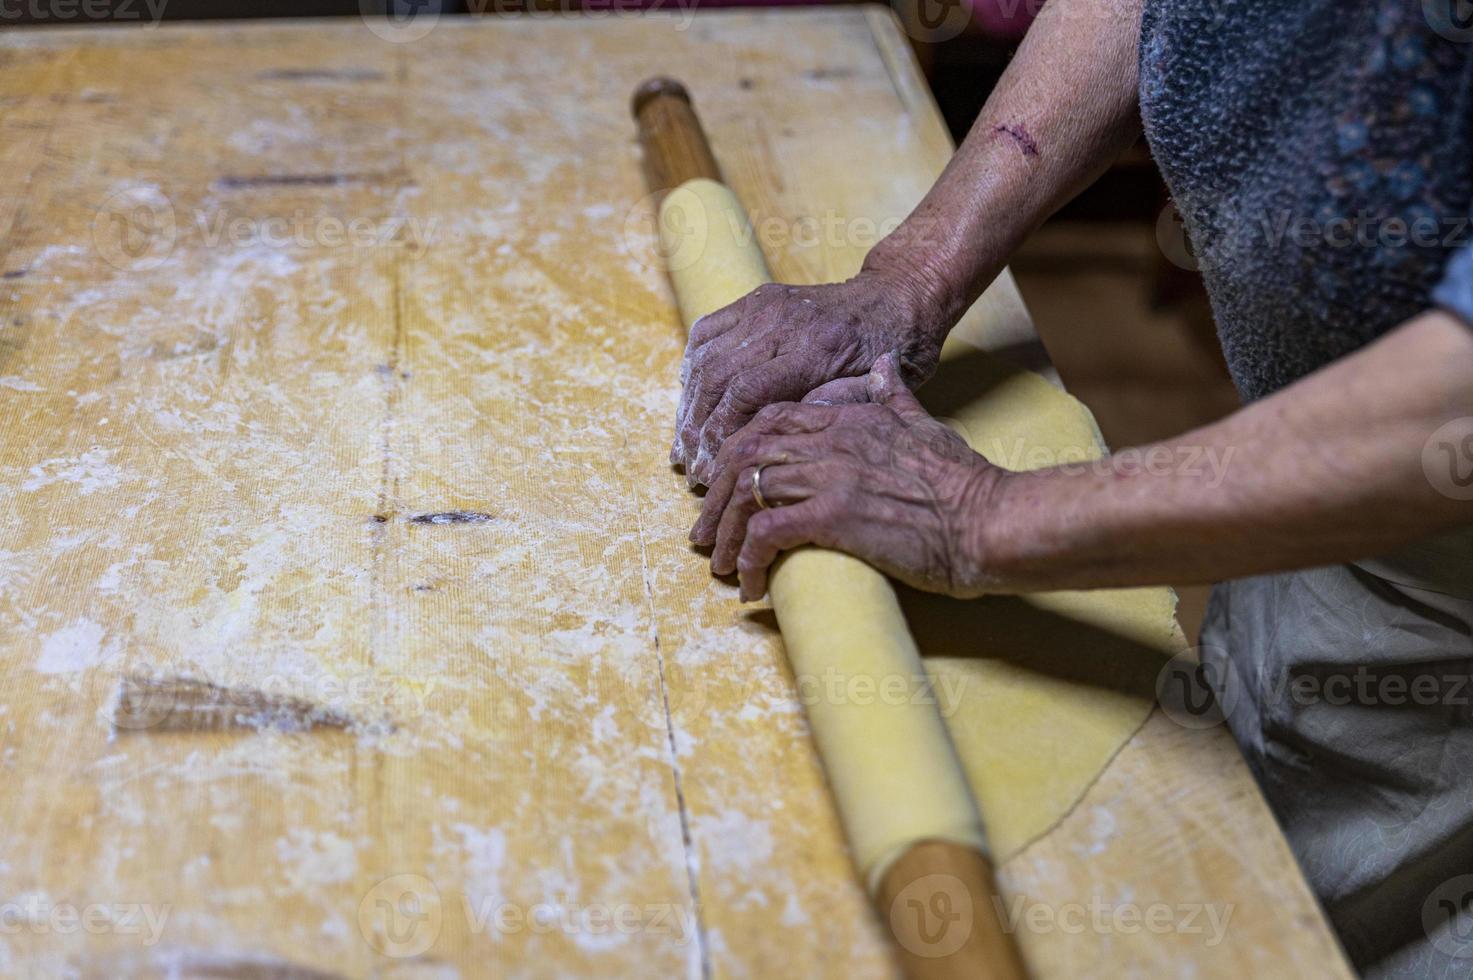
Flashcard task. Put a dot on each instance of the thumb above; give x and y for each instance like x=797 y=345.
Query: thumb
x=886 y=387
x=841 y=391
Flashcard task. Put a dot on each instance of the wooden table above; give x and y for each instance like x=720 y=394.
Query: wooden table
x=336 y=382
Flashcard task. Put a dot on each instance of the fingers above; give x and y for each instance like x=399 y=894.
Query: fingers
x=885 y=386
x=707 y=328
x=716 y=323
x=778 y=434
x=782 y=379
x=700 y=350
x=696 y=402
x=858 y=478
x=703 y=333
x=711 y=372
x=841 y=391
x=770 y=533
x=782 y=486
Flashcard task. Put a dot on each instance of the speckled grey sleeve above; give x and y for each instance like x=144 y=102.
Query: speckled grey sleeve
x=1455 y=292
x=1317 y=115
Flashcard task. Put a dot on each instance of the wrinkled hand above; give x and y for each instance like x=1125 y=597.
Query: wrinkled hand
x=880 y=480
x=785 y=343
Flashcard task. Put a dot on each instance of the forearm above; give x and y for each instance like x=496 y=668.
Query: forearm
x=1328 y=470
x=1064 y=109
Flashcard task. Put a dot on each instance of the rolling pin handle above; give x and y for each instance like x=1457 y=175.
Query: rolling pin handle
x=674 y=144
x=945 y=913
x=655 y=87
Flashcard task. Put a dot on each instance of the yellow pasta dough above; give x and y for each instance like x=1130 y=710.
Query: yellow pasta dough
x=709 y=248
x=1037 y=693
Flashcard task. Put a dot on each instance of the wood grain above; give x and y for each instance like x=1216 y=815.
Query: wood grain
x=943 y=907
x=414 y=476
x=670 y=135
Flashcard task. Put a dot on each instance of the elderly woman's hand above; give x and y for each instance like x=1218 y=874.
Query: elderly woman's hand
x=880 y=480
x=785 y=343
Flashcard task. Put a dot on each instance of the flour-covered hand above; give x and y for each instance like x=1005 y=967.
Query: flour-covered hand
x=881 y=480
x=785 y=343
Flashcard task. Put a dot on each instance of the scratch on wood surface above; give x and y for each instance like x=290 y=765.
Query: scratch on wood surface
x=829 y=74
x=692 y=861
x=232 y=182
x=183 y=704
x=228 y=966
x=321 y=75
x=453 y=517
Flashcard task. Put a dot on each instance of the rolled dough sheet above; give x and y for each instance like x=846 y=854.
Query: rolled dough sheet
x=1037 y=693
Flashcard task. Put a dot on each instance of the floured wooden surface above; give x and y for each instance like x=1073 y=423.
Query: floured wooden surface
x=382 y=510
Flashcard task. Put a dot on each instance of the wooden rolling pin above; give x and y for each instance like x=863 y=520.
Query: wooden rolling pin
x=933 y=886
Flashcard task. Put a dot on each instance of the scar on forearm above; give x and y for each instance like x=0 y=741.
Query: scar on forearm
x=1020 y=136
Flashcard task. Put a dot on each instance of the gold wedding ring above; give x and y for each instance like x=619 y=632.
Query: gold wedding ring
x=760 y=500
